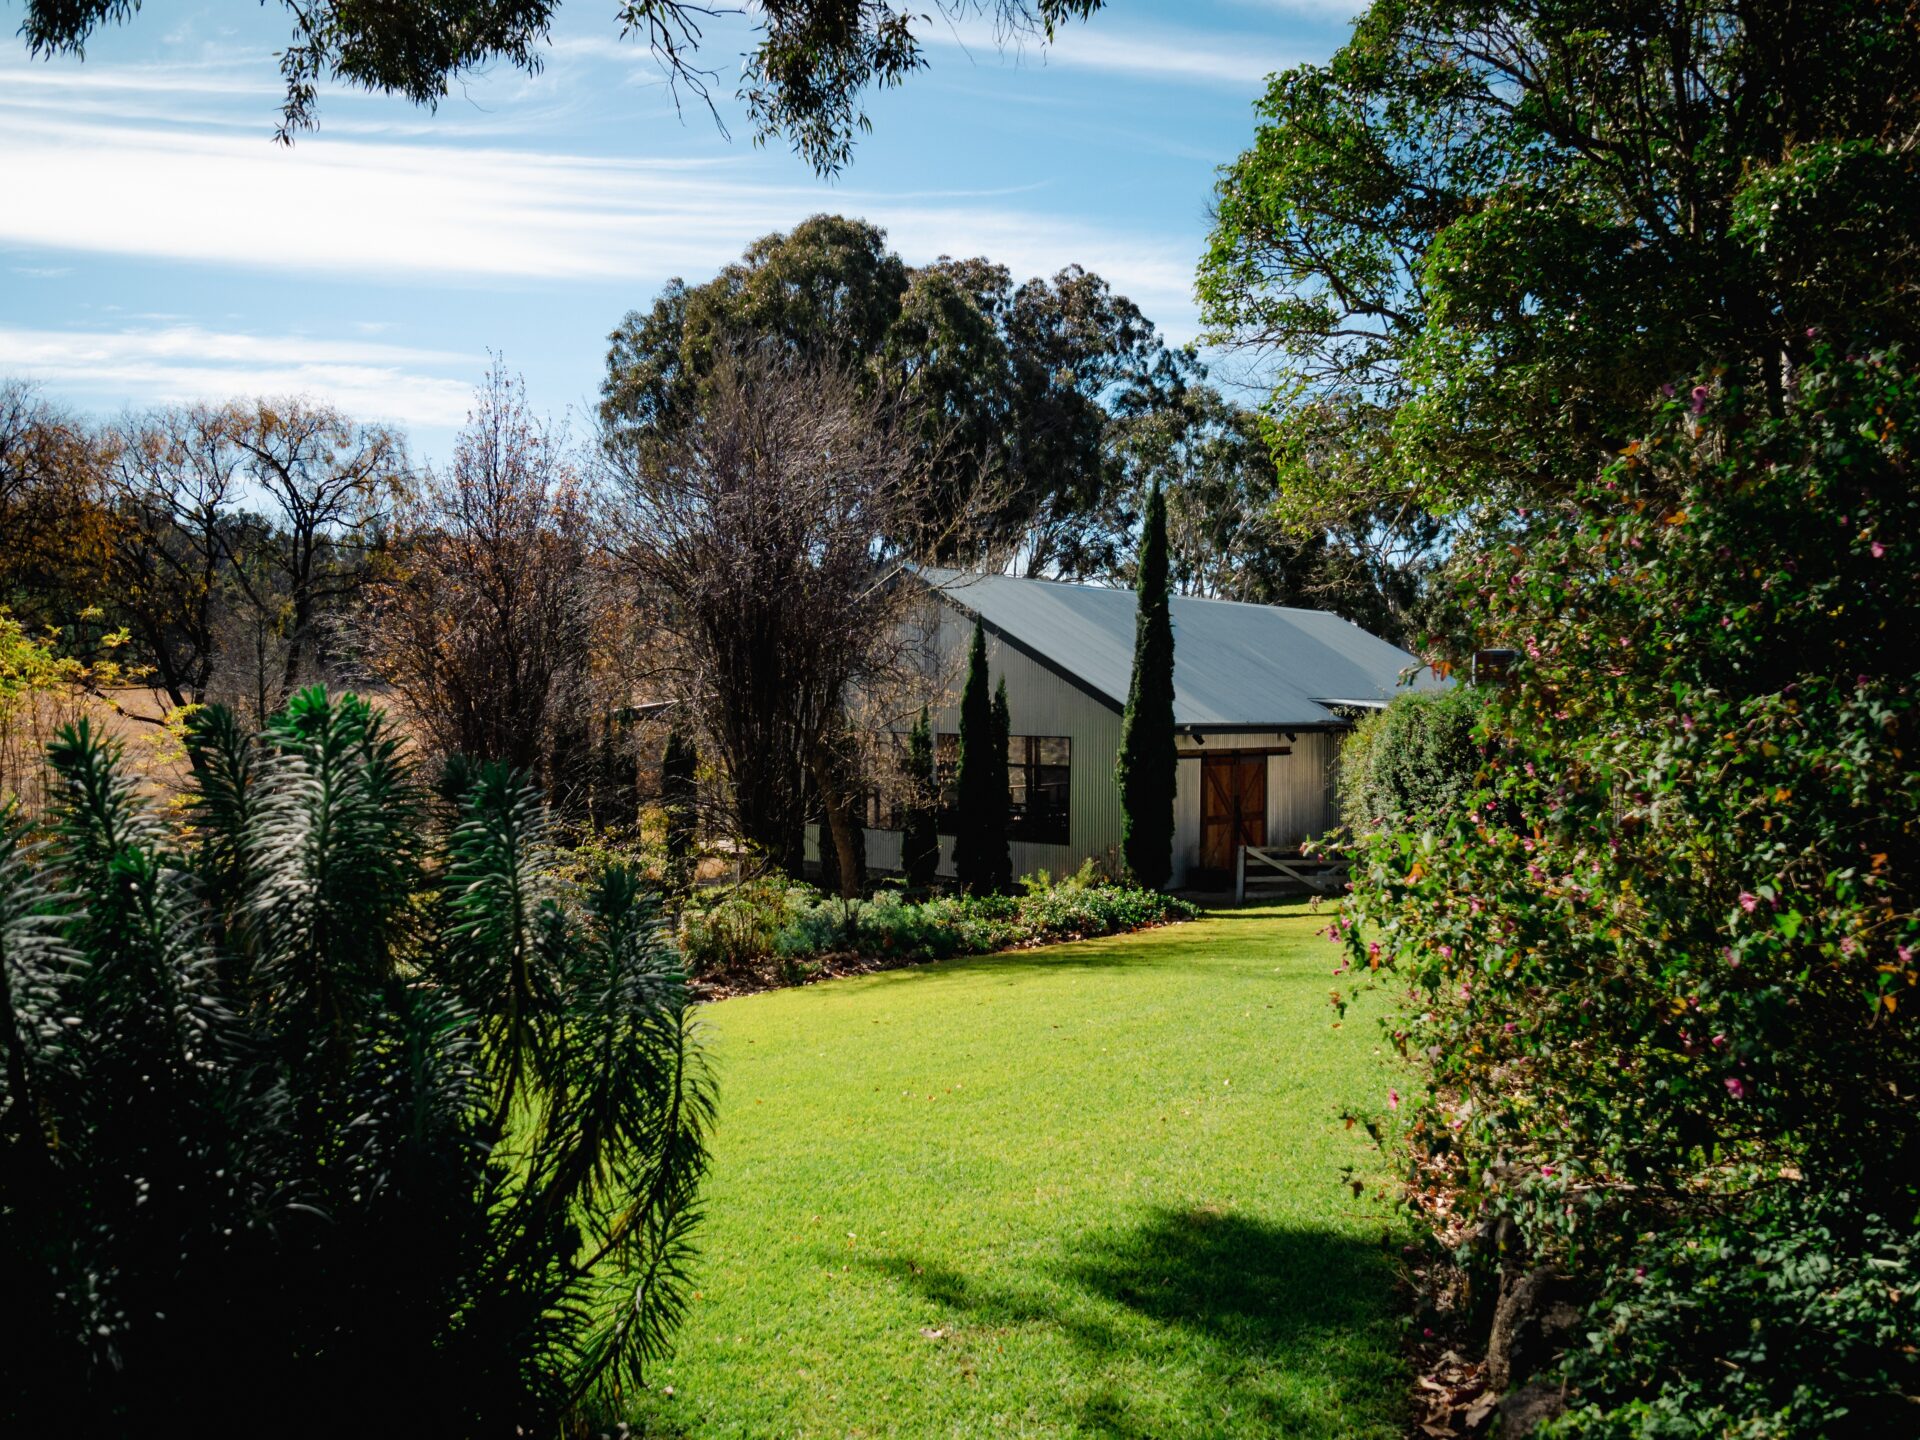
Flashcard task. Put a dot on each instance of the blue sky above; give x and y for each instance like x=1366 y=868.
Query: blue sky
x=156 y=246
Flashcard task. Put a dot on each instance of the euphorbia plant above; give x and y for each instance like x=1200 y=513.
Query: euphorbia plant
x=323 y=1114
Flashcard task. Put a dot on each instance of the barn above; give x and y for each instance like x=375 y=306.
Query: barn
x=1262 y=695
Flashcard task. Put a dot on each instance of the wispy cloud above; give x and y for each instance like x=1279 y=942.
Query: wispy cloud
x=1173 y=56
x=467 y=213
x=184 y=363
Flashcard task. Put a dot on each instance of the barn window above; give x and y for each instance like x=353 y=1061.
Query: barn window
x=1038 y=770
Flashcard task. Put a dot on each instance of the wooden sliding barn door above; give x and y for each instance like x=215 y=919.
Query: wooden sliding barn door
x=1233 y=807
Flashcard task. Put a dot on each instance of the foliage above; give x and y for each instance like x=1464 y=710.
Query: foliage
x=59 y=530
x=1665 y=952
x=483 y=617
x=774 y=918
x=980 y=783
x=1793 y=1315
x=756 y=535
x=1147 y=764
x=1001 y=394
x=1482 y=234
x=1411 y=762
x=679 y=798
x=919 y=837
x=40 y=690
x=803 y=79
x=333 y=1096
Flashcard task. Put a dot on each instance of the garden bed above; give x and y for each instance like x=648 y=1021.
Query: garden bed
x=771 y=933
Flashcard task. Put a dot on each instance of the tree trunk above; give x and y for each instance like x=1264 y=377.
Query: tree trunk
x=838 y=829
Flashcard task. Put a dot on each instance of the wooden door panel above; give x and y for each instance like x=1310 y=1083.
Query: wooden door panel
x=1233 y=807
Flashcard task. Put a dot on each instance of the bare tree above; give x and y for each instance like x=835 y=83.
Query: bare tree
x=57 y=529
x=484 y=621
x=173 y=480
x=764 y=539
x=328 y=484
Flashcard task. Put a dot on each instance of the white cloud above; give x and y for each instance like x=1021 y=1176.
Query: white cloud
x=469 y=213
x=184 y=363
x=1174 y=56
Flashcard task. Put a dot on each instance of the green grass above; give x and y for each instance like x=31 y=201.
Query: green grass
x=1087 y=1190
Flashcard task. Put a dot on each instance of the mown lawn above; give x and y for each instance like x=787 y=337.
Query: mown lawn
x=1087 y=1190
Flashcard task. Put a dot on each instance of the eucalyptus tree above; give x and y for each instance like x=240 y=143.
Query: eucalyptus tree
x=989 y=384
x=804 y=78
x=1478 y=238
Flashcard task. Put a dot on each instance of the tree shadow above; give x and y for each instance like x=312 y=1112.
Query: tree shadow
x=1240 y=1302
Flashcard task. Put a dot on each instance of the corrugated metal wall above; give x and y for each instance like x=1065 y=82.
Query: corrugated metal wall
x=1300 y=799
x=1039 y=702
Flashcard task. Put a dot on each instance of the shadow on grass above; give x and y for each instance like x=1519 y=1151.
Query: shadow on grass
x=1238 y=1302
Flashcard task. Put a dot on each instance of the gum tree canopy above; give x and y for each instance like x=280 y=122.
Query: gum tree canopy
x=811 y=61
x=1477 y=239
x=1004 y=395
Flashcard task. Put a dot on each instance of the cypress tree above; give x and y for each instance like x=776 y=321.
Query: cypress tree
x=973 y=783
x=919 y=834
x=1147 y=766
x=678 y=765
x=999 y=859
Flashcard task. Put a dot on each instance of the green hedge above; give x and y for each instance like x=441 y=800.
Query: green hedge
x=1413 y=759
x=776 y=919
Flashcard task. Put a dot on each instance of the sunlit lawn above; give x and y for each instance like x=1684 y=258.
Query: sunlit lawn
x=1089 y=1190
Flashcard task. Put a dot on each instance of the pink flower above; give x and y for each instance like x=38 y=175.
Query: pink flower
x=1719 y=1040
x=1446 y=952
x=1736 y=1087
x=1393 y=1099
x=1373 y=949
x=1905 y=954
x=1700 y=394
x=1509 y=1027
x=1749 y=901
x=1878 y=549
x=1546 y=1170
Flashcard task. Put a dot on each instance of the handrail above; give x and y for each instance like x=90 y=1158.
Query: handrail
x=1289 y=863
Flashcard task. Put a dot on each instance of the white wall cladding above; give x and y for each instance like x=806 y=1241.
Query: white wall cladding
x=1299 y=785
x=1300 y=802
x=1300 y=790
x=1040 y=702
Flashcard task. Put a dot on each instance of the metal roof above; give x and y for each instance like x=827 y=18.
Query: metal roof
x=1234 y=664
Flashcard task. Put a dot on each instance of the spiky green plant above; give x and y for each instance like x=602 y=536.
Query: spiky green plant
x=319 y=1117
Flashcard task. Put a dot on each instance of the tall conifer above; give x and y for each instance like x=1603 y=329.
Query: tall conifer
x=999 y=859
x=973 y=783
x=919 y=837
x=1147 y=762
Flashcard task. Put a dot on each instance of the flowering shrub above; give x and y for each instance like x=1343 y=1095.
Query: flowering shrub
x=1662 y=954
